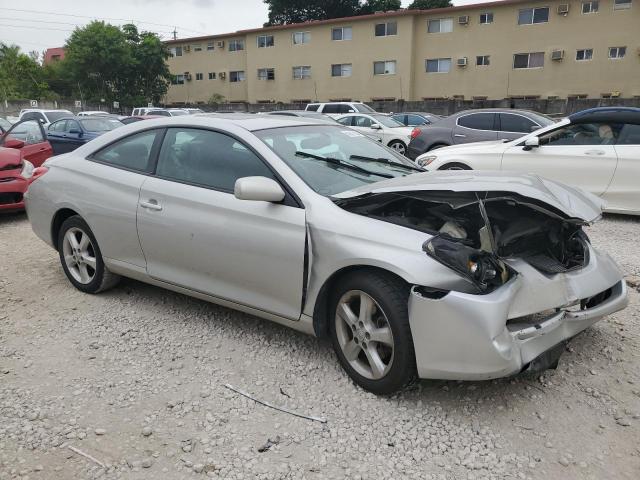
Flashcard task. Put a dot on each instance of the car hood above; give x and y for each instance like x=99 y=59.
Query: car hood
x=10 y=157
x=572 y=202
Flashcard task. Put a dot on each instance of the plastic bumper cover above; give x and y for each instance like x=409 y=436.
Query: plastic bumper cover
x=473 y=337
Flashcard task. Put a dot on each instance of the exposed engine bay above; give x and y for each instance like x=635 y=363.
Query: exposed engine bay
x=474 y=232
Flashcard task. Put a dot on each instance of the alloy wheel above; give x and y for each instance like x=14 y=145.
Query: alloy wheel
x=398 y=147
x=79 y=255
x=364 y=334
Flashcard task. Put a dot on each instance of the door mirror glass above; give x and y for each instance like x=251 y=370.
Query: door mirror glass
x=13 y=143
x=531 y=142
x=260 y=189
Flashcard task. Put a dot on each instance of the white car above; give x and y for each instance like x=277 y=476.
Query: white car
x=597 y=150
x=337 y=109
x=92 y=113
x=381 y=127
x=44 y=116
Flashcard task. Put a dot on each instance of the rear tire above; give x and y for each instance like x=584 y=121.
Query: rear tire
x=370 y=331
x=81 y=258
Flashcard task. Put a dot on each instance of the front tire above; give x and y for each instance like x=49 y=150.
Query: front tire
x=399 y=146
x=455 y=166
x=370 y=331
x=81 y=258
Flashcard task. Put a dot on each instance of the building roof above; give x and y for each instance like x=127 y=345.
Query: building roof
x=395 y=13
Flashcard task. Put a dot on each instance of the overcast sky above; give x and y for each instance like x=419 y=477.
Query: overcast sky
x=40 y=24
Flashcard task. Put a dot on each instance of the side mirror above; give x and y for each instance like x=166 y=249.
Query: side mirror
x=376 y=126
x=14 y=143
x=531 y=143
x=261 y=189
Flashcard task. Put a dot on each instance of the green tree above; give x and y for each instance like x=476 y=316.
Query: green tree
x=21 y=76
x=429 y=4
x=109 y=63
x=372 y=6
x=295 y=11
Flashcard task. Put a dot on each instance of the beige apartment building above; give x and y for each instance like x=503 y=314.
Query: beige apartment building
x=496 y=50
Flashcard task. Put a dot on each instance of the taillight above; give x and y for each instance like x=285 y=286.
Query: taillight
x=38 y=172
x=415 y=132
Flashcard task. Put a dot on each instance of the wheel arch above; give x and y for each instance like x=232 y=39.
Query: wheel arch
x=58 y=219
x=460 y=165
x=436 y=145
x=321 y=306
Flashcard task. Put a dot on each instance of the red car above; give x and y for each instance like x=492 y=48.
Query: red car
x=23 y=148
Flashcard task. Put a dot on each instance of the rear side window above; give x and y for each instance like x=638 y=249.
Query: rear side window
x=133 y=152
x=206 y=158
x=516 y=123
x=346 y=121
x=630 y=135
x=313 y=107
x=478 y=121
x=415 y=120
x=332 y=108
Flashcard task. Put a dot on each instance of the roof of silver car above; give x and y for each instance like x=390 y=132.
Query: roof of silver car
x=254 y=122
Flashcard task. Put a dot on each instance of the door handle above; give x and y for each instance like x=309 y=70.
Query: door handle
x=151 y=205
x=459 y=135
x=594 y=152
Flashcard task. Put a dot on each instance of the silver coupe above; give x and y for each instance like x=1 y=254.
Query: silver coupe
x=448 y=275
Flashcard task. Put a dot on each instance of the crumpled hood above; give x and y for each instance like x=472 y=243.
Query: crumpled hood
x=573 y=202
x=10 y=157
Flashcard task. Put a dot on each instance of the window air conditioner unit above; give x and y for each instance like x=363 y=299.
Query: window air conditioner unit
x=221 y=44
x=187 y=48
x=222 y=75
x=615 y=94
x=557 y=55
x=463 y=20
x=563 y=9
x=187 y=76
x=462 y=62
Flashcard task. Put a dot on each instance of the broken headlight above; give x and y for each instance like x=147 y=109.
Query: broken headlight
x=483 y=269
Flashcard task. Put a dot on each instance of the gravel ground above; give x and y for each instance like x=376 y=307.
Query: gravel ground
x=135 y=378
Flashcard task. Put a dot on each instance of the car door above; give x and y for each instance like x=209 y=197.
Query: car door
x=56 y=133
x=75 y=135
x=36 y=148
x=196 y=234
x=513 y=125
x=475 y=127
x=582 y=155
x=623 y=193
x=365 y=124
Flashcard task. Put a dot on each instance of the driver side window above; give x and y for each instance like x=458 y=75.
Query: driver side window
x=363 y=122
x=582 y=134
x=59 y=126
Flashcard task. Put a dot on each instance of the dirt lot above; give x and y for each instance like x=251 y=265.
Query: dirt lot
x=135 y=379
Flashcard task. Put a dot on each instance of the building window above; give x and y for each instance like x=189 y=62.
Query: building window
x=236 y=45
x=386 y=29
x=209 y=46
x=529 y=16
x=302 y=73
x=197 y=47
x=266 y=74
x=438 y=65
x=617 y=52
x=486 y=18
x=341 y=70
x=621 y=4
x=265 y=41
x=576 y=96
x=440 y=25
x=212 y=75
x=590 y=7
x=384 y=68
x=482 y=60
x=177 y=52
x=199 y=76
x=178 y=80
x=584 y=54
x=528 y=60
x=236 y=76
x=341 y=33
x=300 y=38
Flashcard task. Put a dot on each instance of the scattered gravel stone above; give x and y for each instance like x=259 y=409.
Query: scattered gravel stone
x=146 y=431
x=100 y=431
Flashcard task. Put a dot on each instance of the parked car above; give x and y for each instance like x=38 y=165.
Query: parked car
x=380 y=126
x=44 y=116
x=69 y=133
x=338 y=109
x=193 y=111
x=415 y=119
x=410 y=273
x=169 y=112
x=23 y=148
x=597 y=150
x=303 y=114
x=143 y=110
x=92 y=113
x=475 y=126
x=137 y=118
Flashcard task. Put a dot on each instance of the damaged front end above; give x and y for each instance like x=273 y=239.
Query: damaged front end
x=477 y=233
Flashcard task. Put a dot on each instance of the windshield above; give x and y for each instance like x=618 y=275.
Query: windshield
x=177 y=113
x=541 y=119
x=57 y=115
x=362 y=108
x=100 y=124
x=360 y=160
x=387 y=121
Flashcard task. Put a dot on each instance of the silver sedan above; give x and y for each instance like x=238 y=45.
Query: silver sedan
x=449 y=275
